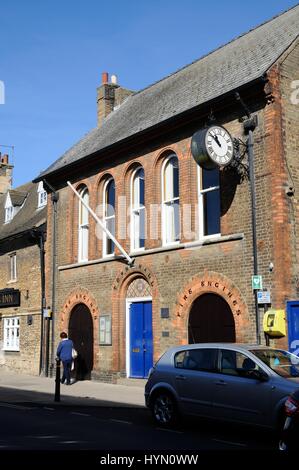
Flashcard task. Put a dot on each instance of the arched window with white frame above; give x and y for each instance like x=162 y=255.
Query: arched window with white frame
x=83 y=226
x=137 y=210
x=170 y=201
x=109 y=216
x=208 y=202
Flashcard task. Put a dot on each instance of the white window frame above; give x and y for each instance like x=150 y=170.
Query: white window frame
x=136 y=209
x=11 y=334
x=200 y=196
x=9 y=210
x=42 y=195
x=106 y=219
x=13 y=267
x=83 y=229
x=167 y=237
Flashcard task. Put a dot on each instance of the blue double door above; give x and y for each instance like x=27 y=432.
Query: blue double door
x=141 y=339
x=293 y=325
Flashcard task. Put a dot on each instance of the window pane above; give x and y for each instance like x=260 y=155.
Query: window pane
x=83 y=243
x=110 y=198
x=141 y=228
x=141 y=186
x=111 y=227
x=175 y=177
x=210 y=178
x=211 y=212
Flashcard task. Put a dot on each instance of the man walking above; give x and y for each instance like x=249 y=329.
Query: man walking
x=64 y=353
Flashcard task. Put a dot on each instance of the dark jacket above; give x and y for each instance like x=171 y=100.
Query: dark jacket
x=64 y=350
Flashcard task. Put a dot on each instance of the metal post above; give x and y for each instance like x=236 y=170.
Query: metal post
x=253 y=223
x=98 y=220
x=57 y=381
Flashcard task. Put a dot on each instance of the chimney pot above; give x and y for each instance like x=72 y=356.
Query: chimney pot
x=114 y=79
x=105 y=77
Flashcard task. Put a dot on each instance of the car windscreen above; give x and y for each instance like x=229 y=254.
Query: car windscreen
x=282 y=362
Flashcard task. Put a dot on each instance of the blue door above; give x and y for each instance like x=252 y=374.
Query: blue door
x=141 y=339
x=293 y=325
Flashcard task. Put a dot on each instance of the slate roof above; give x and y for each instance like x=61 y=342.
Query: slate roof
x=28 y=217
x=17 y=197
x=227 y=68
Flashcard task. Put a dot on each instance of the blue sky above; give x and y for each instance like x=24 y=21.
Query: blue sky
x=52 y=54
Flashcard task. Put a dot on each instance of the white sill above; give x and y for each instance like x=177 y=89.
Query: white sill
x=11 y=349
x=208 y=240
x=138 y=250
x=12 y=281
x=170 y=244
x=110 y=256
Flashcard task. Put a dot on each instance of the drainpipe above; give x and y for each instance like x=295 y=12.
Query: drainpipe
x=50 y=355
x=39 y=236
x=249 y=126
x=43 y=296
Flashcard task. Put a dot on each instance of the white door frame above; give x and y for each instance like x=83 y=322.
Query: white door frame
x=130 y=301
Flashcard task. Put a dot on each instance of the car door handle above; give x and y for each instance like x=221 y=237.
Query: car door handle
x=180 y=377
x=220 y=382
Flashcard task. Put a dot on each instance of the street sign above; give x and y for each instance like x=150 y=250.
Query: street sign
x=257 y=282
x=263 y=297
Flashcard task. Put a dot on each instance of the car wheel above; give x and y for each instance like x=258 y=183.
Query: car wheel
x=164 y=409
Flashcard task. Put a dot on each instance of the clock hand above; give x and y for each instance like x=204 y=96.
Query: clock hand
x=216 y=139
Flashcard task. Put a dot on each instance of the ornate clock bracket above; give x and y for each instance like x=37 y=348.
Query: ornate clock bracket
x=238 y=164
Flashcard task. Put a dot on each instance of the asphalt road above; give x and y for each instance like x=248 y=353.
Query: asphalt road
x=28 y=426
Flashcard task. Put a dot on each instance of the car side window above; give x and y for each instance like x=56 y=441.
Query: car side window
x=236 y=363
x=197 y=359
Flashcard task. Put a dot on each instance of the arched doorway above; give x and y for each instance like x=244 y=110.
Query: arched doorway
x=81 y=333
x=211 y=320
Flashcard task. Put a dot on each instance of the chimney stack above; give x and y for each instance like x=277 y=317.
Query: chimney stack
x=109 y=96
x=5 y=174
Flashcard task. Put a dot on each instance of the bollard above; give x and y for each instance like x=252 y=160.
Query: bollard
x=57 y=381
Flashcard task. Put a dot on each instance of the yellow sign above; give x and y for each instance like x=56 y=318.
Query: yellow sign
x=274 y=323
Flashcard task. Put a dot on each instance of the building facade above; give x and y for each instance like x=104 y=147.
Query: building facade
x=22 y=237
x=188 y=230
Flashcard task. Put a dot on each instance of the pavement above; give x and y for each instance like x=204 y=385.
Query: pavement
x=41 y=390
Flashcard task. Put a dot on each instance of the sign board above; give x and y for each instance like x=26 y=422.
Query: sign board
x=10 y=298
x=263 y=297
x=257 y=282
x=47 y=313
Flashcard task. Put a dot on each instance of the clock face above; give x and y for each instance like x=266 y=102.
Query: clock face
x=219 y=145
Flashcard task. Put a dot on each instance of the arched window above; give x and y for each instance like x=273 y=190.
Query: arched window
x=137 y=210
x=170 y=201
x=83 y=227
x=109 y=216
x=208 y=202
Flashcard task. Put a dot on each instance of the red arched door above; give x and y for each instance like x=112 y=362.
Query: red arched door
x=81 y=333
x=211 y=320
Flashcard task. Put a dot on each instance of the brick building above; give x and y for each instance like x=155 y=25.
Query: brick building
x=189 y=230
x=22 y=234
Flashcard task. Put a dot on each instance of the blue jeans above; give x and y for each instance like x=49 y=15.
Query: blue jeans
x=67 y=371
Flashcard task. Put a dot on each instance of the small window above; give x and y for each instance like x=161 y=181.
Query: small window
x=137 y=210
x=197 y=359
x=13 y=266
x=109 y=216
x=170 y=201
x=209 y=202
x=9 y=213
x=83 y=227
x=11 y=334
x=42 y=195
x=105 y=330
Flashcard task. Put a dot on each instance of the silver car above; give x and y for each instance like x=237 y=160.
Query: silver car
x=235 y=382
